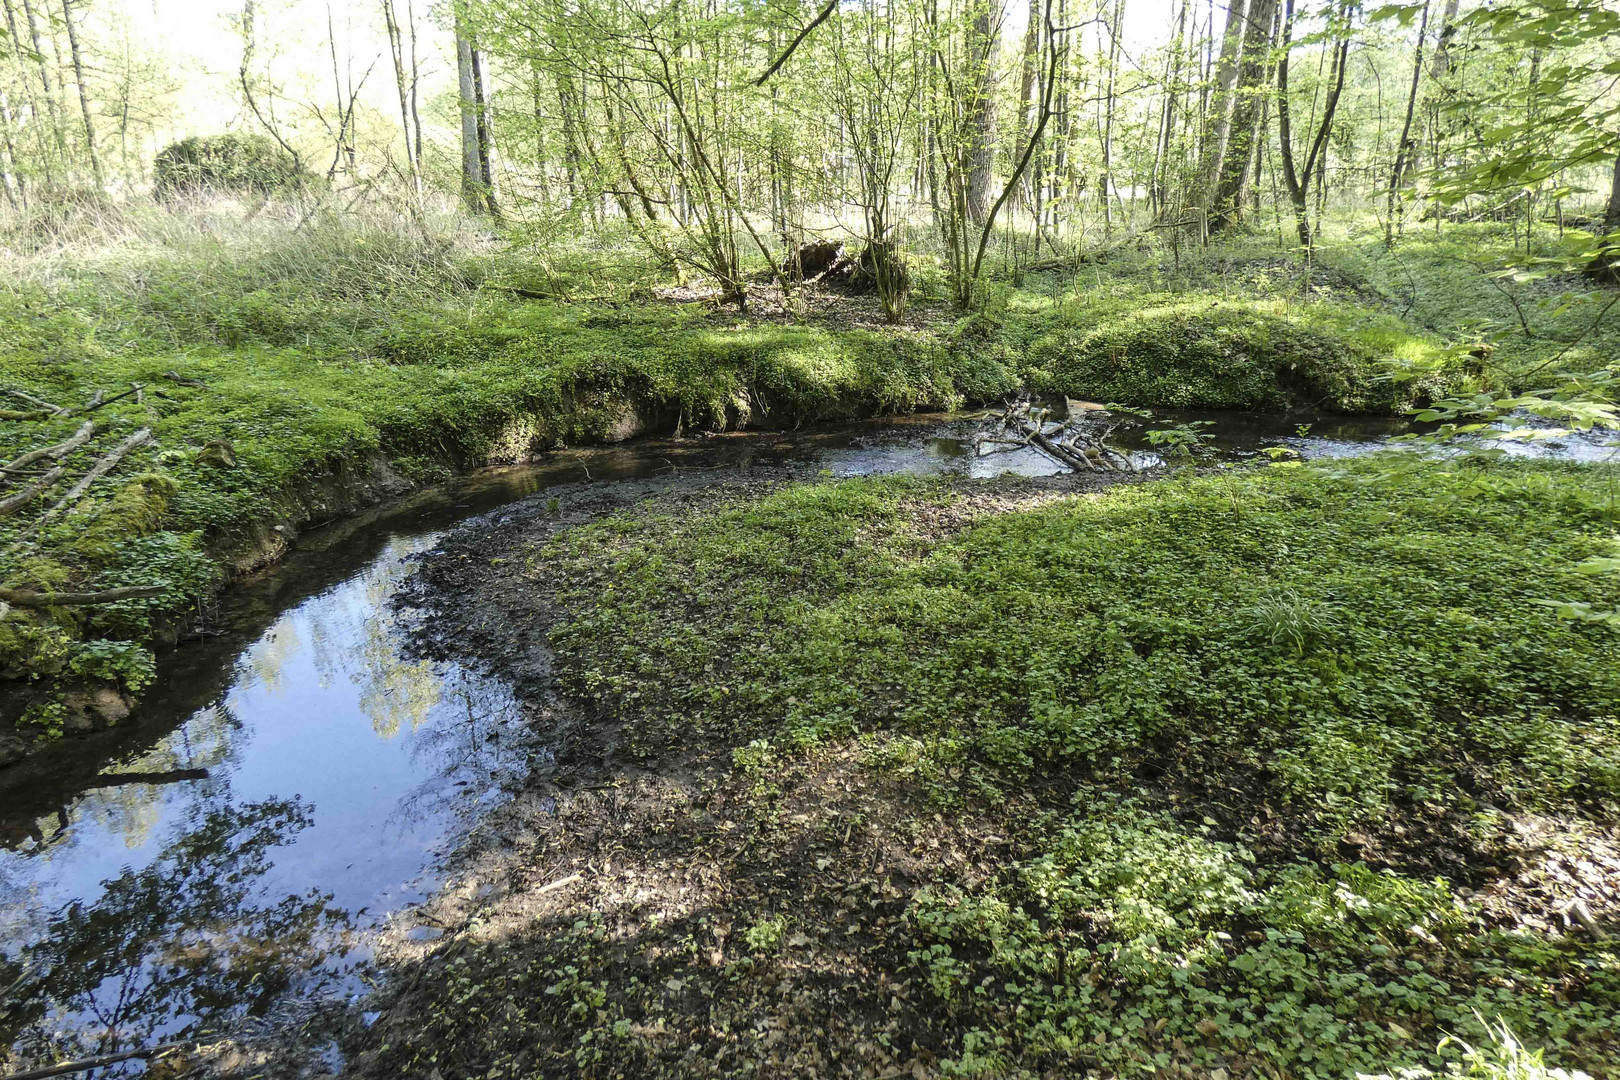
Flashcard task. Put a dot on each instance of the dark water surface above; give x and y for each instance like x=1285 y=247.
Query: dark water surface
x=295 y=779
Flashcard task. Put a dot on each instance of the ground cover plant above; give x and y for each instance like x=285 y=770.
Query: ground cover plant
x=1282 y=771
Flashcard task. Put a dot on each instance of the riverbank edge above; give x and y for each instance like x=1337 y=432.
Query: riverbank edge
x=589 y=417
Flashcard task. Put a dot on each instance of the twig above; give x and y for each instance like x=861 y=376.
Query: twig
x=32 y=400
x=24 y=598
x=134 y=388
x=559 y=883
x=85 y=1064
x=107 y=464
x=1577 y=339
x=101 y=468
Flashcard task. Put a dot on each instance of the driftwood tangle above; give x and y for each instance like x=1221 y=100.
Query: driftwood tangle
x=1078 y=439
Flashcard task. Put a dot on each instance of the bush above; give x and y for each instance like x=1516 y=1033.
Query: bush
x=243 y=163
x=1221 y=356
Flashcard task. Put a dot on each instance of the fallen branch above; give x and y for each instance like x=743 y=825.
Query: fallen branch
x=57 y=452
x=558 y=884
x=1079 y=447
x=25 y=598
x=100 y=403
x=108 y=462
x=12 y=503
x=86 y=1064
x=105 y=465
x=38 y=403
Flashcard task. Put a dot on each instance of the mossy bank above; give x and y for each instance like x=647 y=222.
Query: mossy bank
x=290 y=376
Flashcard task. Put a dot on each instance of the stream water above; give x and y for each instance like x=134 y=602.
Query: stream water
x=296 y=777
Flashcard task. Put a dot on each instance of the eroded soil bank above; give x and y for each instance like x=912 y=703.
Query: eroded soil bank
x=1002 y=777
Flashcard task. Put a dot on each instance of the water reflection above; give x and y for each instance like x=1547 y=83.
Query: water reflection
x=173 y=891
x=185 y=940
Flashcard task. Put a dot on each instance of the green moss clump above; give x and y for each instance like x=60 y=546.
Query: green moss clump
x=32 y=648
x=1217 y=356
x=230 y=162
x=135 y=511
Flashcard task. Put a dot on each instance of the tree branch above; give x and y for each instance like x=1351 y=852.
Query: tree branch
x=826 y=12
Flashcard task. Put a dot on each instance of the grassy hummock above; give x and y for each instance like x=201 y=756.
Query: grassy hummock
x=1278 y=772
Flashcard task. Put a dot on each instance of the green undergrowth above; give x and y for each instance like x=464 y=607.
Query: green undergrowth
x=288 y=361
x=1205 y=353
x=1280 y=717
x=245 y=433
x=1463 y=309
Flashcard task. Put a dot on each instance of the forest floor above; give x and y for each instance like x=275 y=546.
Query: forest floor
x=1279 y=771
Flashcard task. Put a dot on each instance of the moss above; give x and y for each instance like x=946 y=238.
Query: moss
x=31 y=648
x=1218 y=355
x=37 y=572
x=135 y=511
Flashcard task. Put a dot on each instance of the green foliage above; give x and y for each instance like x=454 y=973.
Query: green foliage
x=230 y=162
x=1133 y=943
x=123 y=662
x=44 y=720
x=1285 y=618
x=1346 y=641
x=765 y=935
x=1211 y=355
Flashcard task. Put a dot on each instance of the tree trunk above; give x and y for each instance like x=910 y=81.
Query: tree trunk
x=1026 y=81
x=981 y=121
x=1105 y=178
x=1404 y=149
x=1217 y=123
x=84 y=96
x=1439 y=67
x=1226 y=206
x=474 y=195
x=53 y=108
x=1298 y=180
x=486 y=130
x=416 y=74
x=397 y=52
x=1606 y=267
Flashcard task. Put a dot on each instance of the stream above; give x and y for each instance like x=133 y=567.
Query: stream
x=224 y=862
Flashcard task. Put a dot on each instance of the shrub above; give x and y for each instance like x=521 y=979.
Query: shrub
x=1213 y=355
x=241 y=163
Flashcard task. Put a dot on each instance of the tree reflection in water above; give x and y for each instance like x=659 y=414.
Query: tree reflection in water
x=181 y=945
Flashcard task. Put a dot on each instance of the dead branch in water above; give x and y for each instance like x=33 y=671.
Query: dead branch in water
x=86 y=1064
x=1071 y=442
